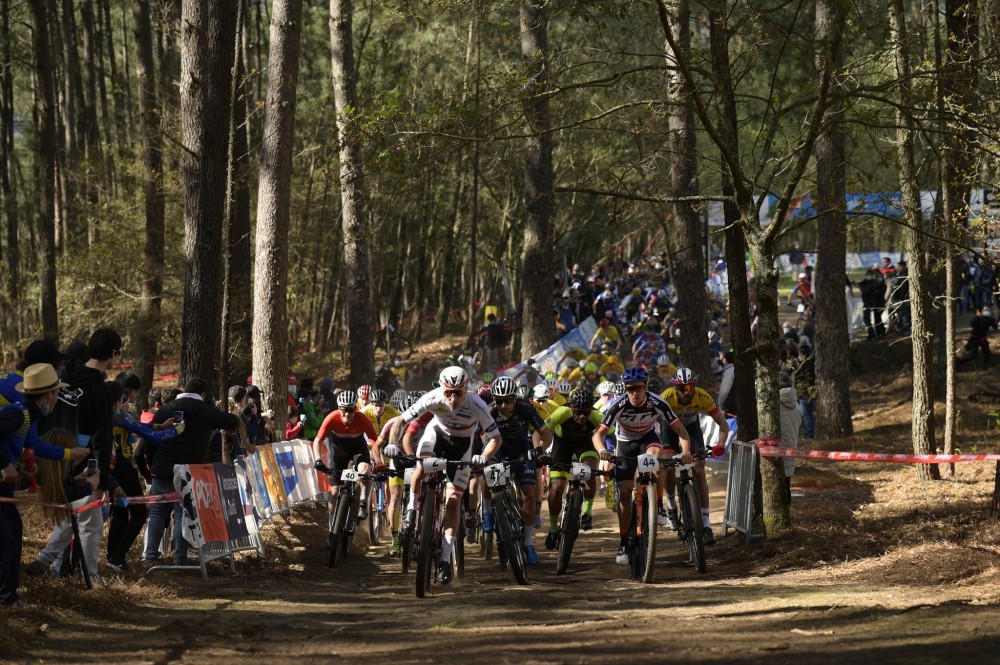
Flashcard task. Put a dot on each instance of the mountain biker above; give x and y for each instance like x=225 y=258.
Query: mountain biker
x=634 y=416
x=516 y=419
x=688 y=401
x=377 y=411
x=573 y=427
x=348 y=438
x=449 y=435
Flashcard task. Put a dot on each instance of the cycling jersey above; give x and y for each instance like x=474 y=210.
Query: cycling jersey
x=545 y=407
x=701 y=402
x=516 y=430
x=8 y=391
x=635 y=422
x=378 y=422
x=336 y=431
x=564 y=426
x=461 y=422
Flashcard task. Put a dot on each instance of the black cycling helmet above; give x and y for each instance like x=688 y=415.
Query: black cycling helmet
x=582 y=398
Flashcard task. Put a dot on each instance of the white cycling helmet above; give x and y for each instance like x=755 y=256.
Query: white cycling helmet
x=564 y=387
x=663 y=360
x=541 y=391
x=454 y=378
x=605 y=388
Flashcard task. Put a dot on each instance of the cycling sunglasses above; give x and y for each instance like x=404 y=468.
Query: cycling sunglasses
x=506 y=400
x=454 y=393
x=635 y=388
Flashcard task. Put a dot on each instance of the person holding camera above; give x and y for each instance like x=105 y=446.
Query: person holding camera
x=19 y=430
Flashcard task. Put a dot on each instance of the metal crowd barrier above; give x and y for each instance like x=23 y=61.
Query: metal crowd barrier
x=744 y=459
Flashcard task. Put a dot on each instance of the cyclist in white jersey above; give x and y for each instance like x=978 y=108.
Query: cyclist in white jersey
x=457 y=414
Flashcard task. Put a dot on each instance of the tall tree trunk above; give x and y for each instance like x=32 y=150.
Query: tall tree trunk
x=74 y=126
x=46 y=114
x=148 y=330
x=7 y=189
x=536 y=255
x=957 y=100
x=270 y=321
x=923 y=398
x=688 y=262
x=833 y=408
x=360 y=321
x=239 y=301
x=208 y=33
x=92 y=129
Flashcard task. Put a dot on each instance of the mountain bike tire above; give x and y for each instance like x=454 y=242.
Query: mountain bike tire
x=339 y=532
x=696 y=536
x=569 y=529
x=425 y=548
x=512 y=545
x=375 y=518
x=405 y=537
x=648 y=539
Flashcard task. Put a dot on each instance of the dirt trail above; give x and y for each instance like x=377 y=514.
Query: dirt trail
x=366 y=611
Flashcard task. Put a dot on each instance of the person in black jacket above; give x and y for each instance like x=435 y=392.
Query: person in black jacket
x=873 y=298
x=201 y=419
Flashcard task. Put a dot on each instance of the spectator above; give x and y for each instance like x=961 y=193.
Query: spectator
x=873 y=298
x=18 y=430
x=201 y=418
x=565 y=318
x=86 y=409
x=791 y=422
x=803 y=287
x=496 y=338
x=127 y=519
x=805 y=387
x=983 y=284
x=901 y=299
x=307 y=408
x=236 y=442
x=888 y=270
x=727 y=401
x=979 y=330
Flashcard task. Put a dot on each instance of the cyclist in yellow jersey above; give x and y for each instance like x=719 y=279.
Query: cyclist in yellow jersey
x=378 y=410
x=611 y=366
x=541 y=402
x=577 y=373
x=560 y=393
x=664 y=369
x=688 y=402
x=606 y=333
x=573 y=427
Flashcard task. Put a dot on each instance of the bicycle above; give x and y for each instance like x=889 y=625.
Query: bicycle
x=569 y=518
x=641 y=533
x=377 y=502
x=428 y=531
x=690 y=529
x=345 y=512
x=507 y=520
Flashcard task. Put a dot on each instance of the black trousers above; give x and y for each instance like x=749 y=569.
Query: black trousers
x=11 y=536
x=126 y=523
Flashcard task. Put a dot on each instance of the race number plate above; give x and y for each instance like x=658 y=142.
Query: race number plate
x=349 y=475
x=581 y=472
x=407 y=476
x=432 y=464
x=497 y=475
x=648 y=464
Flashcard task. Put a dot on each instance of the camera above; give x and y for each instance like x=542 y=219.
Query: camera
x=91 y=467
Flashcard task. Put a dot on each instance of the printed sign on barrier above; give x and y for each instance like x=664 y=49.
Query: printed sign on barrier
x=261 y=498
x=231 y=501
x=204 y=521
x=272 y=478
x=247 y=498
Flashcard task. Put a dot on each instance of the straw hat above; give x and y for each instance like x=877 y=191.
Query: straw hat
x=39 y=379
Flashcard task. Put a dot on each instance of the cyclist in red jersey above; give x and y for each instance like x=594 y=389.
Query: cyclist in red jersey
x=348 y=438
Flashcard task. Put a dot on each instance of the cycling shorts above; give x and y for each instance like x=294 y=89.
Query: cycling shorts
x=345 y=451
x=673 y=442
x=564 y=450
x=398 y=465
x=630 y=451
x=435 y=442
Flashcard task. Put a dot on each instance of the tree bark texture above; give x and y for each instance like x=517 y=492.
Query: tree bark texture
x=208 y=33
x=923 y=398
x=148 y=331
x=7 y=189
x=270 y=321
x=46 y=114
x=357 y=270
x=536 y=317
x=833 y=408
x=687 y=259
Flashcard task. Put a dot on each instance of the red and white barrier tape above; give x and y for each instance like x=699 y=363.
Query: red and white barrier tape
x=170 y=497
x=899 y=458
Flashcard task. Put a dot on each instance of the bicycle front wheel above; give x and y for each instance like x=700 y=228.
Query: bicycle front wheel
x=485 y=537
x=405 y=537
x=696 y=536
x=648 y=539
x=339 y=532
x=513 y=546
x=569 y=529
x=425 y=547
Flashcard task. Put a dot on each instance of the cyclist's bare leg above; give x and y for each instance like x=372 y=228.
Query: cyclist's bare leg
x=528 y=507
x=418 y=474
x=590 y=487
x=452 y=512
x=624 y=505
x=556 y=488
x=392 y=509
x=702 y=479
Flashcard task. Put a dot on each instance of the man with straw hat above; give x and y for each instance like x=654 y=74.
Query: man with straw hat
x=19 y=430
